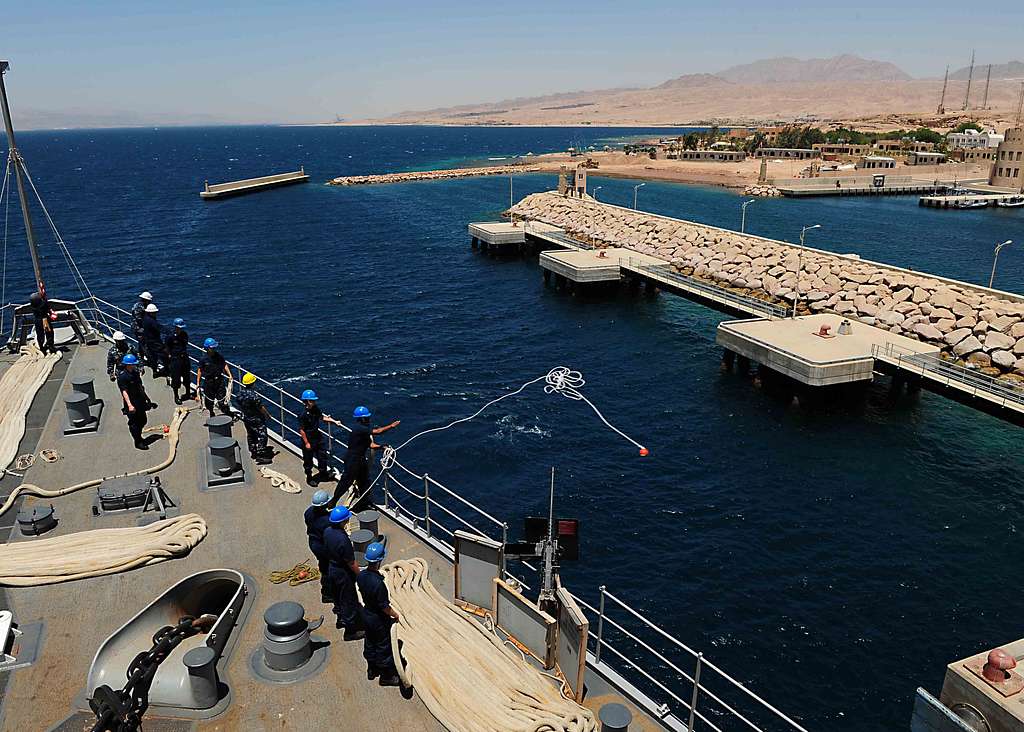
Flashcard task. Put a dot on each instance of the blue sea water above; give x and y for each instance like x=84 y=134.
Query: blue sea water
x=832 y=556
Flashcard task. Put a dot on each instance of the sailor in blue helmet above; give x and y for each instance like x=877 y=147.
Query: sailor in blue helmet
x=178 y=369
x=212 y=378
x=378 y=616
x=313 y=445
x=317 y=519
x=357 y=466
x=133 y=396
x=342 y=572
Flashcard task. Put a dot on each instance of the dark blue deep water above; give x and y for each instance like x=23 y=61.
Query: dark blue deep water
x=833 y=556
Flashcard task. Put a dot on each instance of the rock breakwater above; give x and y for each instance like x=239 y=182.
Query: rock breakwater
x=971 y=324
x=362 y=180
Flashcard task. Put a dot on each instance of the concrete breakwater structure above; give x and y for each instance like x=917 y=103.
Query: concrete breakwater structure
x=407 y=177
x=971 y=326
x=251 y=185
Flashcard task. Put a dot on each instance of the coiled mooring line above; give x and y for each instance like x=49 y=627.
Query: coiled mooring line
x=559 y=380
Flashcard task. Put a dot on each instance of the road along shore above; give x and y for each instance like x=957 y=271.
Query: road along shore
x=362 y=180
x=973 y=325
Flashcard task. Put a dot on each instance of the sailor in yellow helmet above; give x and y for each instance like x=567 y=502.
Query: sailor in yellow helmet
x=254 y=417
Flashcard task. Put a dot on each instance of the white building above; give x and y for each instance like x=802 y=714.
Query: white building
x=973 y=140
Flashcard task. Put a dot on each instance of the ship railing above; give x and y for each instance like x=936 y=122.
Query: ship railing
x=741 y=303
x=700 y=693
x=441 y=511
x=707 y=698
x=950 y=374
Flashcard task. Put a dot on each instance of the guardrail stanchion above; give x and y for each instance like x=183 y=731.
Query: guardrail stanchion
x=600 y=626
x=696 y=691
x=280 y=404
x=426 y=501
x=504 y=541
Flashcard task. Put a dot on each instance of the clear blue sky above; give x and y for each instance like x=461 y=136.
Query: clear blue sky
x=304 y=60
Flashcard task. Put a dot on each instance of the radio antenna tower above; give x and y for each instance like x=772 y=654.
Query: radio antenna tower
x=988 y=79
x=942 y=99
x=970 y=78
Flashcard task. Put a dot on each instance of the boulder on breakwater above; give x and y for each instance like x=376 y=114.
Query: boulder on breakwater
x=972 y=324
x=762 y=190
x=361 y=180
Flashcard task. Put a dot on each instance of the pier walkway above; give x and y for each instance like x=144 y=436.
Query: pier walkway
x=251 y=185
x=954 y=201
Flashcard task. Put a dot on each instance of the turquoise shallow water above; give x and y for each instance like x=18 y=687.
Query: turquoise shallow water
x=856 y=548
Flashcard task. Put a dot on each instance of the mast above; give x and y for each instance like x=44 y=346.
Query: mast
x=988 y=79
x=942 y=99
x=15 y=158
x=970 y=77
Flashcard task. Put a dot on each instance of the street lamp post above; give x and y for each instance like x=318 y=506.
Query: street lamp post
x=800 y=264
x=743 y=215
x=996 y=259
x=596 y=190
x=635 y=189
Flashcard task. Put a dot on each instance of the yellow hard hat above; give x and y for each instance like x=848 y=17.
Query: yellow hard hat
x=248 y=379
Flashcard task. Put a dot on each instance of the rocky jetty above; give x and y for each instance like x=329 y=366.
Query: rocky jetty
x=762 y=190
x=973 y=325
x=362 y=180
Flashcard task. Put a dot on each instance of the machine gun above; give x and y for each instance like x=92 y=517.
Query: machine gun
x=121 y=711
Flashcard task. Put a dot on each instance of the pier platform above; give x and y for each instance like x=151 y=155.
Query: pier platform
x=505 y=236
x=793 y=346
x=251 y=185
x=884 y=183
x=989 y=199
x=591 y=265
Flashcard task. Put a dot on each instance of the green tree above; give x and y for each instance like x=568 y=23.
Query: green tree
x=964 y=126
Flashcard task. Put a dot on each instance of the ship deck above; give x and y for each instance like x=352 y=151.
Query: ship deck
x=253 y=528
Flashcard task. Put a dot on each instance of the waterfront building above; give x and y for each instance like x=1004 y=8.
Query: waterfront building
x=904 y=146
x=1009 y=161
x=973 y=140
x=871 y=162
x=925 y=158
x=723 y=156
x=974 y=154
x=792 y=153
x=841 y=148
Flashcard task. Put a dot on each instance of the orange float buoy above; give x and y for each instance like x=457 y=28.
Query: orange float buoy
x=644 y=452
x=167 y=428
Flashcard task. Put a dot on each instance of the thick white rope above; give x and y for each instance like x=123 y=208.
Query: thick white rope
x=18 y=388
x=99 y=552
x=468 y=678
x=559 y=380
x=280 y=480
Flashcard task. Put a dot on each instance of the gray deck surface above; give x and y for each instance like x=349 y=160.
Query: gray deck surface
x=253 y=528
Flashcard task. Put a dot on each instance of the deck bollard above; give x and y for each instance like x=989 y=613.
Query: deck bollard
x=286 y=642
x=219 y=426
x=368 y=520
x=614 y=718
x=201 y=663
x=361 y=538
x=83 y=384
x=77 y=404
x=223 y=455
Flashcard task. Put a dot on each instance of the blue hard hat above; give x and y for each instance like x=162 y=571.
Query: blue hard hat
x=179 y=323
x=375 y=552
x=309 y=396
x=130 y=359
x=209 y=343
x=321 y=498
x=339 y=513
x=361 y=412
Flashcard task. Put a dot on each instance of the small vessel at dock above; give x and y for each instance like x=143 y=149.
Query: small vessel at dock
x=1016 y=202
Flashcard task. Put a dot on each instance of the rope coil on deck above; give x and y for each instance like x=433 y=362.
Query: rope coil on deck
x=465 y=674
x=280 y=480
x=99 y=552
x=18 y=388
x=298 y=575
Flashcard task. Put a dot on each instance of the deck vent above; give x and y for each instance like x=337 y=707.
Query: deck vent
x=36 y=520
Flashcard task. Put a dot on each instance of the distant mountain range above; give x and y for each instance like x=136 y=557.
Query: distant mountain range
x=1010 y=70
x=788 y=70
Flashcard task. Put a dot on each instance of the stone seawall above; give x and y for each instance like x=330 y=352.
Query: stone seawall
x=973 y=325
x=362 y=180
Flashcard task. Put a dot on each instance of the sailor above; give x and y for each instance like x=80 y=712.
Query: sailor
x=317 y=519
x=378 y=616
x=152 y=341
x=176 y=345
x=133 y=394
x=357 y=467
x=42 y=315
x=342 y=572
x=254 y=417
x=212 y=378
x=138 y=310
x=117 y=352
x=312 y=440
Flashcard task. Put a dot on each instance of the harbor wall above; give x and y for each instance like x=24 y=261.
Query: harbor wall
x=362 y=180
x=972 y=324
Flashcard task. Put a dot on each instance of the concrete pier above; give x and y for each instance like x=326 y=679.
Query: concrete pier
x=801 y=349
x=503 y=236
x=989 y=199
x=251 y=185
